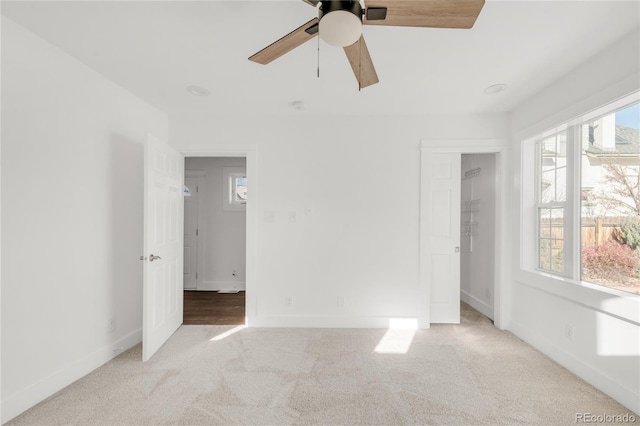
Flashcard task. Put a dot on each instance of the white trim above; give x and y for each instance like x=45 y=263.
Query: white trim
x=221 y=285
x=607 y=300
x=500 y=147
x=302 y=321
x=599 y=379
x=588 y=107
x=16 y=404
x=250 y=152
x=202 y=232
x=216 y=150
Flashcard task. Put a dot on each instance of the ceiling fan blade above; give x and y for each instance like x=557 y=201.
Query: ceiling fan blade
x=361 y=63
x=287 y=43
x=423 y=13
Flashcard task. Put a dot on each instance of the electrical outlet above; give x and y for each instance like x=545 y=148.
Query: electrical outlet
x=233 y=273
x=568 y=331
x=487 y=293
x=293 y=217
x=340 y=301
x=287 y=301
x=111 y=326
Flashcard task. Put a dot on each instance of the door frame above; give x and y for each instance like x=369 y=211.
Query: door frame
x=500 y=148
x=250 y=153
x=199 y=175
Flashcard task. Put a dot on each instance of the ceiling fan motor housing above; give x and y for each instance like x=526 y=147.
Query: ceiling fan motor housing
x=340 y=22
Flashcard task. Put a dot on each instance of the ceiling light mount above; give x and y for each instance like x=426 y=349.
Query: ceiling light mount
x=495 y=89
x=198 y=91
x=298 y=105
x=340 y=22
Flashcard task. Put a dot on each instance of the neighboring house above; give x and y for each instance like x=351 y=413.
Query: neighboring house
x=608 y=144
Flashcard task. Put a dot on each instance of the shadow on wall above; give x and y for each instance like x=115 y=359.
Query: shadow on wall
x=126 y=180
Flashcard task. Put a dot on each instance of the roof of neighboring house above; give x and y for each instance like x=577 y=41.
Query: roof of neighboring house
x=627 y=147
x=627 y=135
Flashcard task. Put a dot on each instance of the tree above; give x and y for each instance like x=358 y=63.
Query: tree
x=621 y=189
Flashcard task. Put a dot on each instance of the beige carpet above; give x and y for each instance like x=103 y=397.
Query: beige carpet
x=467 y=374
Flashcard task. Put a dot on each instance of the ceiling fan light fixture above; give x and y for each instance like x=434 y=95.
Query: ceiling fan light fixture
x=340 y=22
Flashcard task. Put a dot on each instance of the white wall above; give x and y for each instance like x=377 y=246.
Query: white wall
x=72 y=145
x=223 y=233
x=353 y=184
x=606 y=338
x=477 y=266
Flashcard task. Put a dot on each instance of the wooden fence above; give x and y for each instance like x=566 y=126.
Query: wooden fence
x=599 y=230
x=595 y=231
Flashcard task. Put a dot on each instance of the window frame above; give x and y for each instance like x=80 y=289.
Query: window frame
x=233 y=182
x=572 y=225
x=229 y=203
x=567 y=205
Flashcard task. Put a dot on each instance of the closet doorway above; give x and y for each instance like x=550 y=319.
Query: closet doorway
x=478 y=232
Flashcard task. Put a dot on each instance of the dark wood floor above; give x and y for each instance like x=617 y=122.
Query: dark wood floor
x=211 y=307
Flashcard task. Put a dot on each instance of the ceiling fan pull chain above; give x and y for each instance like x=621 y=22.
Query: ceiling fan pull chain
x=360 y=66
x=318 y=57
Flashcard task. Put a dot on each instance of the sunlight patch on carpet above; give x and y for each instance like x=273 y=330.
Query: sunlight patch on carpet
x=398 y=339
x=228 y=333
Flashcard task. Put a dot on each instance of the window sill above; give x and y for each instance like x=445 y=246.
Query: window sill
x=622 y=305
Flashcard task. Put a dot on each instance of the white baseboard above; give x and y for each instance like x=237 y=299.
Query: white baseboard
x=322 y=322
x=221 y=285
x=19 y=402
x=628 y=397
x=477 y=304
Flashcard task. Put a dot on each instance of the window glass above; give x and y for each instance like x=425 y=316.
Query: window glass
x=234 y=190
x=552 y=195
x=240 y=189
x=610 y=200
x=598 y=223
x=551 y=239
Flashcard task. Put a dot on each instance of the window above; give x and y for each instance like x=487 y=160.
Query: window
x=238 y=182
x=235 y=188
x=551 y=201
x=587 y=198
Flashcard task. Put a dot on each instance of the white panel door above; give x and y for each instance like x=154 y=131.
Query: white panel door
x=163 y=236
x=443 y=236
x=191 y=233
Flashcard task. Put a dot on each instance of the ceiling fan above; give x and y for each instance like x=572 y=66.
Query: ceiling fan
x=339 y=23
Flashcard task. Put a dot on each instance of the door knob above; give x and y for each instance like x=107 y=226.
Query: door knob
x=152 y=258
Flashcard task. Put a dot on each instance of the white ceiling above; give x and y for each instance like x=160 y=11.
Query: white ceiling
x=157 y=49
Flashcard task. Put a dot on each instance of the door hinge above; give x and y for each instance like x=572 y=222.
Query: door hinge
x=197 y=232
x=196 y=188
x=196 y=276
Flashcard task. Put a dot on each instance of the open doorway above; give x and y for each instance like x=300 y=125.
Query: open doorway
x=442 y=228
x=478 y=232
x=215 y=220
